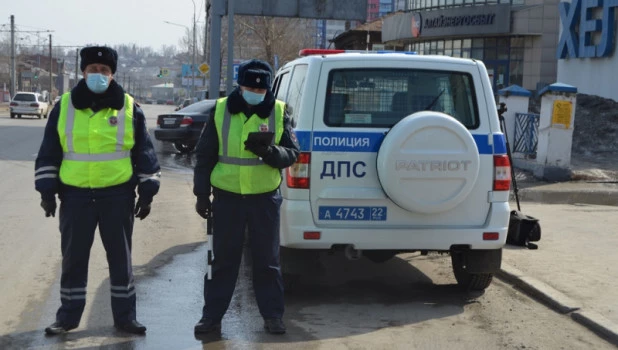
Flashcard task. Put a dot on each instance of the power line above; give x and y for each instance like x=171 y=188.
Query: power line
x=27 y=31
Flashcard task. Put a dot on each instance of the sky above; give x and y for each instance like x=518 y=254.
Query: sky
x=109 y=22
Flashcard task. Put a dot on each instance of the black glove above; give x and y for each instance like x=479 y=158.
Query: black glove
x=142 y=209
x=49 y=207
x=203 y=207
x=258 y=149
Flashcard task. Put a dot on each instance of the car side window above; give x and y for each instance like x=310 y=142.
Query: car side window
x=281 y=86
x=295 y=91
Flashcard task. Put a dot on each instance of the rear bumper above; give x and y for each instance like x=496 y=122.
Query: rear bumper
x=176 y=134
x=26 y=110
x=296 y=219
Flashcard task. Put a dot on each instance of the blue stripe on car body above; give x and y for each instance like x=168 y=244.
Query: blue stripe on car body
x=327 y=141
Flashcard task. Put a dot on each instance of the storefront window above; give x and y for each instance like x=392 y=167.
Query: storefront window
x=433 y=4
x=516 y=75
x=503 y=48
x=477 y=53
x=465 y=51
x=456 y=48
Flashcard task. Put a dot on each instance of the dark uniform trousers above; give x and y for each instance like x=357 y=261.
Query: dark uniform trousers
x=231 y=213
x=79 y=217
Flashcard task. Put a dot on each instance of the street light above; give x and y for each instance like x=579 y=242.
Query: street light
x=194 y=44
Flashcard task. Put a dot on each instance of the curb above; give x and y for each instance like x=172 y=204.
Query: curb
x=559 y=302
x=597 y=197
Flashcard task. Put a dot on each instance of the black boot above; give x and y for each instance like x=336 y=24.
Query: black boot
x=207 y=325
x=59 y=328
x=131 y=327
x=274 y=326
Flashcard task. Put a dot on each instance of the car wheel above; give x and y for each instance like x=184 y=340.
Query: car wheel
x=19 y=116
x=12 y=115
x=469 y=281
x=184 y=147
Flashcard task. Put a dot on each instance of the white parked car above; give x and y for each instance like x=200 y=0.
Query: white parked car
x=29 y=103
x=399 y=153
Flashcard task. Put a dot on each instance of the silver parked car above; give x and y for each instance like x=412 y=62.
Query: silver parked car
x=29 y=103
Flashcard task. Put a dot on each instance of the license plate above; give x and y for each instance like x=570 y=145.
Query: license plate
x=169 y=121
x=352 y=213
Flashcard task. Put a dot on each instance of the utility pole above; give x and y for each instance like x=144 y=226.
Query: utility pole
x=76 y=65
x=230 y=46
x=51 y=80
x=193 y=60
x=206 y=40
x=13 y=73
x=215 y=48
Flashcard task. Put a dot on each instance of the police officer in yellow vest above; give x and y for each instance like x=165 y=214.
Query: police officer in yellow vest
x=244 y=174
x=95 y=152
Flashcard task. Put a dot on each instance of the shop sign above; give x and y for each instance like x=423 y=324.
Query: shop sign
x=579 y=27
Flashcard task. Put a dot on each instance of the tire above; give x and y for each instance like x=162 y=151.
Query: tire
x=469 y=281
x=184 y=147
x=12 y=115
x=19 y=116
x=379 y=256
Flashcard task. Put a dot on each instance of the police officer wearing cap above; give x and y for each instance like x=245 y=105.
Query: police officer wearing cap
x=95 y=152
x=244 y=176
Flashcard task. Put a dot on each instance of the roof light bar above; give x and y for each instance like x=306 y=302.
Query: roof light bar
x=309 y=52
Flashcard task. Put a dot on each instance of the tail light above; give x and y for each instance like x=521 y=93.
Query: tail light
x=502 y=173
x=186 y=121
x=297 y=175
x=13 y=104
x=34 y=104
x=158 y=121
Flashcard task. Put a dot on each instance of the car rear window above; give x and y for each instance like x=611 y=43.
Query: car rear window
x=24 y=97
x=382 y=97
x=199 y=107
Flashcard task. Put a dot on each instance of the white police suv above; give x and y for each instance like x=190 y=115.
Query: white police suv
x=399 y=153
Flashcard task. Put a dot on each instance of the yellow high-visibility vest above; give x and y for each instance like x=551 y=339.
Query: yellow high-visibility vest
x=239 y=170
x=96 y=146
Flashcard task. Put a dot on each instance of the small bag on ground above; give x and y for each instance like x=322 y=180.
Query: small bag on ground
x=523 y=229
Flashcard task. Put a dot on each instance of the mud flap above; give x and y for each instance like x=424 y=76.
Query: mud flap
x=480 y=261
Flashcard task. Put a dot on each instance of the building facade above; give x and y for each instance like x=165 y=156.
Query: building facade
x=516 y=39
x=586 y=50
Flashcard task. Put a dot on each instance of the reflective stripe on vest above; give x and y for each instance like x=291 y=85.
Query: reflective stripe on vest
x=239 y=170
x=225 y=132
x=96 y=146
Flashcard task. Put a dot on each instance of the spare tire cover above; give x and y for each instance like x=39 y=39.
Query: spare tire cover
x=428 y=162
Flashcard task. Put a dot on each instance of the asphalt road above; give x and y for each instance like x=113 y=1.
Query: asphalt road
x=409 y=302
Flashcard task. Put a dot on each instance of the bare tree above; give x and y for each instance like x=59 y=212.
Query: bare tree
x=264 y=37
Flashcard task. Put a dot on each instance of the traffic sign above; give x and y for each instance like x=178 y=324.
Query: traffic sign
x=204 y=68
x=165 y=72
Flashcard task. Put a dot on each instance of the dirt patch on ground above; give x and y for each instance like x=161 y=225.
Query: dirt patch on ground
x=595 y=138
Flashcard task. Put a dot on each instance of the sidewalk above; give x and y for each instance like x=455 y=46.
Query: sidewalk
x=575 y=269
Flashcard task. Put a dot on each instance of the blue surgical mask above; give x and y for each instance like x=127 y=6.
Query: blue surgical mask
x=252 y=98
x=97 y=82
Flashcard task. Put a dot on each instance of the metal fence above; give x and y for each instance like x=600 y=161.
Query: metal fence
x=526 y=133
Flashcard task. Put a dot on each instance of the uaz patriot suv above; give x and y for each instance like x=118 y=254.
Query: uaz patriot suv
x=399 y=153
